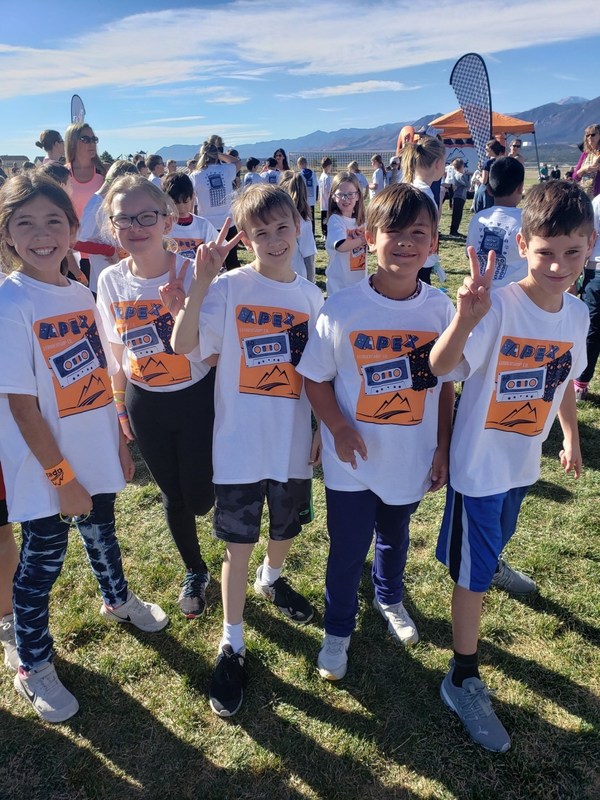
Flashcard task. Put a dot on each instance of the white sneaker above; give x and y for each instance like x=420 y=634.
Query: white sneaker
x=7 y=637
x=147 y=617
x=400 y=624
x=332 y=662
x=43 y=689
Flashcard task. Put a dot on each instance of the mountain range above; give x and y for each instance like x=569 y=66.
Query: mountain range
x=559 y=123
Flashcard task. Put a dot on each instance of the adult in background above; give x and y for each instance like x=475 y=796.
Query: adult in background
x=83 y=163
x=213 y=185
x=53 y=143
x=587 y=170
x=483 y=199
x=514 y=150
x=282 y=160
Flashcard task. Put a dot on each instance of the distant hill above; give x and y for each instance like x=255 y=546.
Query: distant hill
x=559 y=128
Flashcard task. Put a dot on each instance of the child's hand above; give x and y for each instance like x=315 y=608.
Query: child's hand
x=126 y=428
x=316 y=448
x=570 y=459
x=127 y=462
x=439 y=469
x=172 y=293
x=348 y=442
x=473 y=299
x=74 y=500
x=210 y=256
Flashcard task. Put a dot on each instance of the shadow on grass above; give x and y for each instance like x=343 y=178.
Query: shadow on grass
x=551 y=491
x=568 y=620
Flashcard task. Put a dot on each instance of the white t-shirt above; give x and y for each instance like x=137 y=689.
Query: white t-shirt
x=58 y=353
x=189 y=237
x=155 y=180
x=251 y=178
x=376 y=351
x=213 y=187
x=259 y=328
x=362 y=181
x=324 y=190
x=306 y=247
x=496 y=229
x=312 y=182
x=92 y=229
x=595 y=257
x=518 y=361
x=431 y=260
x=271 y=176
x=134 y=315
x=379 y=179
x=343 y=269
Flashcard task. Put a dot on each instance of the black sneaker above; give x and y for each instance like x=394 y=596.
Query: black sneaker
x=192 y=600
x=290 y=603
x=228 y=682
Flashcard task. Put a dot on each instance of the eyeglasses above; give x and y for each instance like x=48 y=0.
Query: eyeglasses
x=345 y=195
x=89 y=139
x=145 y=220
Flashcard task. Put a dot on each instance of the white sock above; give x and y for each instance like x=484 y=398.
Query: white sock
x=269 y=575
x=234 y=636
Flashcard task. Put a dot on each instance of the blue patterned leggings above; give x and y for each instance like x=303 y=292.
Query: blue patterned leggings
x=42 y=555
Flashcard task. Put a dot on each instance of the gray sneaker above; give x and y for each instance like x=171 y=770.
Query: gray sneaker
x=512 y=580
x=7 y=637
x=471 y=702
x=332 y=662
x=43 y=689
x=400 y=623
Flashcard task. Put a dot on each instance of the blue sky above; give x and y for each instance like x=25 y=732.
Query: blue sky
x=152 y=73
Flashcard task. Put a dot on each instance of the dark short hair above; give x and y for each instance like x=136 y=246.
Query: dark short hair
x=556 y=208
x=506 y=175
x=271 y=163
x=178 y=186
x=496 y=147
x=57 y=172
x=397 y=206
x=153 y=161
x=252 y=163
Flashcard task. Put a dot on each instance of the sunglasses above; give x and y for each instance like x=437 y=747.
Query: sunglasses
x=145 y=220
x=515 y=145
x=89 y=139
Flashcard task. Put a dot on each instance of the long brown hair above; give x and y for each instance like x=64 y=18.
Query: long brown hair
x=295 y=185
x=72 y=135
x=358 y=212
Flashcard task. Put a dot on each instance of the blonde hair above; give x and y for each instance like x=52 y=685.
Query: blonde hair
x=587 y=148
x=420 y=155
x=72 y=135
x=137 y=183
x=262 y=201
x=294 y=184
x=358 y=212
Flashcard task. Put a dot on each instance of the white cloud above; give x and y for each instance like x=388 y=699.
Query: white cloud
x=358 y=87
x=187 y=45
x=170 y=119
x=228 y=99
x=191 y=134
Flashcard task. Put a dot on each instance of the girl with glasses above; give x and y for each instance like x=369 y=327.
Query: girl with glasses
x=163 y=400
x=61 y=449
x=345 y=244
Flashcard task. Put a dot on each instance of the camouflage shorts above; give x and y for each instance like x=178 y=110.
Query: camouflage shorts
x=238 y=509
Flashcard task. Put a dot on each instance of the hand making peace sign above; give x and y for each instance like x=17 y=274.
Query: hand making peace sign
x=210 y=256
x=473 y=298
x=173 y=293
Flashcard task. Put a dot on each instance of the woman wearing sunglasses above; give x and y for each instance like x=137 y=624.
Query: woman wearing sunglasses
x=84 y=164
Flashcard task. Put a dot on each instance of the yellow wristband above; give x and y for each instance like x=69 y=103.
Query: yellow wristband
x=61 y=474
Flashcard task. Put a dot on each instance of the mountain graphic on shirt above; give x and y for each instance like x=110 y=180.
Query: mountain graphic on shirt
x=156 y=365
x=392 y=407
x=93 y=389
x=524 y=415
x=272 y=379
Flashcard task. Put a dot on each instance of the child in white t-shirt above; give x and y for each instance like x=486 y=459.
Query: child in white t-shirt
x=518 y=349
x=496 y=228
x=61 y=452
x=252 y=176
x=312 y=187
x=271 y=174
x=325 y=179
x=189 y=231
x=257 y=320
x=386 y=418
x=345 y=244
x=303 y=261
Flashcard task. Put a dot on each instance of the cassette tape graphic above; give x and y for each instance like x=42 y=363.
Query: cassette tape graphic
x=272 y=348
x=74 y=363
x=387 y=376
x=143 y=341
x=527 y=384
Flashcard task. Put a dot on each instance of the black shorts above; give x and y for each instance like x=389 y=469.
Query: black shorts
x=239 y=506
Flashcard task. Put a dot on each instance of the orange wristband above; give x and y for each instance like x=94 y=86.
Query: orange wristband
x=61 y=474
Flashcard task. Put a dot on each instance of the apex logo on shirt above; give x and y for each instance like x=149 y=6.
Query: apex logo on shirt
x=394 y=368
x=527 y=377
x=272 y=341
x=73 y=351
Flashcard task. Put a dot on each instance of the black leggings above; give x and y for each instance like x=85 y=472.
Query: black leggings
x=173 y=431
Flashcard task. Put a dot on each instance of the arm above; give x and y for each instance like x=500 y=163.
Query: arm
x=355 y=238
x=73 y=498
x=473 y=302
x=347 y=440
x=119 y=384
x=439 y=465
x=570 y=455
x=576 y=171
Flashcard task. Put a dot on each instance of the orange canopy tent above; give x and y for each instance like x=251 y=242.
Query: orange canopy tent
x=454 y=126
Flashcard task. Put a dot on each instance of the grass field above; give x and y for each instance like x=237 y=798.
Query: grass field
x=145 y=729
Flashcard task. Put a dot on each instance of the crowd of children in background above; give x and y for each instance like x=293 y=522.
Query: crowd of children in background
x=175 y=346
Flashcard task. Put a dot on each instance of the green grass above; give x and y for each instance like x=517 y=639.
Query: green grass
x=145 y=729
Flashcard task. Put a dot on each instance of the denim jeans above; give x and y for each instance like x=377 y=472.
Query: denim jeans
x=42 y=556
